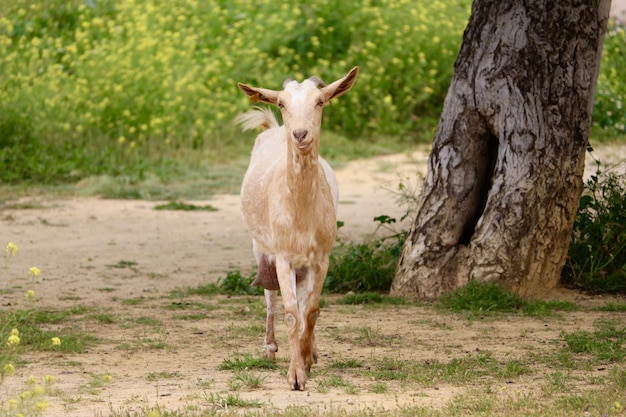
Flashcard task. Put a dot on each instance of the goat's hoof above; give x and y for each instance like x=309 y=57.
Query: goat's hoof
x=269 y=352
x=297 y=380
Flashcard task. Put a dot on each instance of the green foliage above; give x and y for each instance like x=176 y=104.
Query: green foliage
x=181 y=206
x=246 y=362
x=369 y=298
x=365 y=267
x=597 y=253
x=481 y=297
x=605 y=343
x=236 y=284
x=126 y=87
x=609 y=111
x=489 y=297
x=138 y=88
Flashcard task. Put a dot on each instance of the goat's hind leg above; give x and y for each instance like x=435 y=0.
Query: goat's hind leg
x=270 y=348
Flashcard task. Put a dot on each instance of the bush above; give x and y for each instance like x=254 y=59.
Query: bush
x=365 y=267
x=597 y=254
x=126 y=81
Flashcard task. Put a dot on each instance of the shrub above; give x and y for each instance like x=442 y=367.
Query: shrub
x=597 y=254
x=365 y=267
x=136 y=82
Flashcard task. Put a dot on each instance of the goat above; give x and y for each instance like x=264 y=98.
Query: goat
x=289 y=200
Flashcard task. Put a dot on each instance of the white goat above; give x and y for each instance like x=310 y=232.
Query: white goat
x=289 y=202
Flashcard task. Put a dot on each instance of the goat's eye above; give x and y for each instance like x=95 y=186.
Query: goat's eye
x=280 y=105
x=320 y=103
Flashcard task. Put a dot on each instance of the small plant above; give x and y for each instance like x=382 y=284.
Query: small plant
x=370 y=298
x=597 y=254
x=236 y=284
x=605 y=343
x=246 y=362
x=365 y=267
x=181 y=206
x=246 y=379
x=484 y=298
x=481 y=298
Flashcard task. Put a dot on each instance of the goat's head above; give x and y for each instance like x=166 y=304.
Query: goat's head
x=301 y=105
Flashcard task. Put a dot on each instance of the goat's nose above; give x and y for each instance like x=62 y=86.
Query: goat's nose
x=300 y=134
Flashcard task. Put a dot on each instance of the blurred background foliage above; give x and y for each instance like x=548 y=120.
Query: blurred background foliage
x=145 y=90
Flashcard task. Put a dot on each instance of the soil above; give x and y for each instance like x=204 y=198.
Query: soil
x=125 y=258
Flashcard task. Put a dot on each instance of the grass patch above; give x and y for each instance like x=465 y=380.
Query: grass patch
x=605 y=343
x=370 y=298
x=365 y=267
x=234 y=283
x=246 y=362
x=477 y=298
x=181 y=206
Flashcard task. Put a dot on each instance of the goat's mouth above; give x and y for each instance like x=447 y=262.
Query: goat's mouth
x=304 y=147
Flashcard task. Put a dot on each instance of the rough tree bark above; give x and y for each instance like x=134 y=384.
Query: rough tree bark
x=505 y=173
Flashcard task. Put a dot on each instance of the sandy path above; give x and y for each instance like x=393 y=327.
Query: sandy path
x=80 y=243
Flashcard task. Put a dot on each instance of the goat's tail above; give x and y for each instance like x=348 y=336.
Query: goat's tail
x=259 y=117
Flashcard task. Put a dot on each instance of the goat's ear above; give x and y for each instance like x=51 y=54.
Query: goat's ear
x=259 y=94
x=341 y=86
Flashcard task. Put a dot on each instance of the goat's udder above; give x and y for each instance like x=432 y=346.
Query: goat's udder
x=267 y=278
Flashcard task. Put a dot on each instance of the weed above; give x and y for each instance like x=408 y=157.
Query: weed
x=95 y=383
x=246 y=362
x=478 y=298
x=379 y=387
x=612 y=306
x=365 y=267
x=236 y=284
x=605 y=343
x=370 y=298
x=597 y=253
x=347 y=364
x=124 y=265
x=232 y=400
x=180 y=206
x=245 y=378
x=156 y=376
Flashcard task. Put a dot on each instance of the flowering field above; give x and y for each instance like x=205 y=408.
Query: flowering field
x=110 y=86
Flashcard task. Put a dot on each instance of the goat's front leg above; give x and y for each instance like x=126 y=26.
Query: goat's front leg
x=309 y=294
x=287 y=279
x=270 y=348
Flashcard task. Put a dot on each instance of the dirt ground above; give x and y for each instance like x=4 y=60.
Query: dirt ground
x=99 y=253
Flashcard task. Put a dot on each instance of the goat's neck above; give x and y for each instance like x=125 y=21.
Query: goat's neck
x=303 y=175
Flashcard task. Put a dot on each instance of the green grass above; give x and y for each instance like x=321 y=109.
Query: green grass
x=246 y=362
x=181 y=206
x=136 y=99
x=370 y=298
x=477 y=298
x=605 y=343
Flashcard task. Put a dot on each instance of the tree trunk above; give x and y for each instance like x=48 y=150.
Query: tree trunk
x=505 y=173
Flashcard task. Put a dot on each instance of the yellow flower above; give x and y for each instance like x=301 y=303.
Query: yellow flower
x=8 y=369
x=15 y=332
x=13 y=340
x=154 y=413
x=31 y=380
x=30 y=295
x=42 y=405
x=34 y=271
x=11 y=249
x=121 y=140
x=56 y=341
